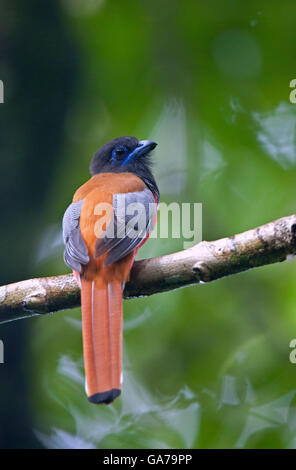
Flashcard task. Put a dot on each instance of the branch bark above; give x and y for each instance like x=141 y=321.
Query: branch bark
x=270 y=243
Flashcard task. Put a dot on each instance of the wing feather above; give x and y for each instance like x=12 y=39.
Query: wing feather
x=132 y=222
x=76 y=253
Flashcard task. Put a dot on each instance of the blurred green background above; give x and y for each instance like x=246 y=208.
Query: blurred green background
x=206 y=366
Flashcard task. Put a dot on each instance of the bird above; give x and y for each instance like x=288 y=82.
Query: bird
x=110 y=217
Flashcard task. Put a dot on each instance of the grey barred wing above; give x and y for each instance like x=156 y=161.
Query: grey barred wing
x=76 y=253
x=132 y=221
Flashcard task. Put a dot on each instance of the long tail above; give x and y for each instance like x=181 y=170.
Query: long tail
x=102 y=339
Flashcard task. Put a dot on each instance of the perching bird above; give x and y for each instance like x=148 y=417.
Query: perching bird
x=111 y=216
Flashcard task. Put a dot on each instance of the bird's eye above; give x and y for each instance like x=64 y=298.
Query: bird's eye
x=119 y=152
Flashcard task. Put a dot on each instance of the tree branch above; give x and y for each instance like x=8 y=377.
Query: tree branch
x=207 y=261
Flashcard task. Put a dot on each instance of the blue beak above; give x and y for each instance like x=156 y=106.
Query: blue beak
x=143 y=147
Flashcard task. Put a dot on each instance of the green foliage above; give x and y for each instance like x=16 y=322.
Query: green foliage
x=205 y=366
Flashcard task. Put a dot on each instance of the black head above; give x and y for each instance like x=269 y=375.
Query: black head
x=125 y=154
x=121 y=154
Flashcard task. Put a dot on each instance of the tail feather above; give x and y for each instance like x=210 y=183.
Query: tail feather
x=116 y=323
x=102 y=339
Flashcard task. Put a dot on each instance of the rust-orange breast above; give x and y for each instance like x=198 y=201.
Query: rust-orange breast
x=99 y=190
